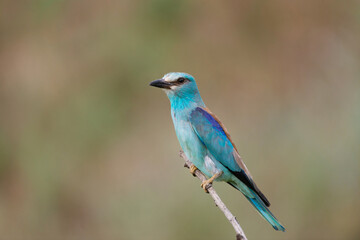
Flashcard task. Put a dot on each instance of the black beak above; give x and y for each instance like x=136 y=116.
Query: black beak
x=160 y=83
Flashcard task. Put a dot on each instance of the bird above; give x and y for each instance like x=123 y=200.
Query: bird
x=207 y=143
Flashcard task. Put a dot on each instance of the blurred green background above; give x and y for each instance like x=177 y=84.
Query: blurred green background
x=88 y=150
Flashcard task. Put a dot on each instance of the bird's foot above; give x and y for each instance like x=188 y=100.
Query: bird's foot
x=207 y=183
x=193 y=168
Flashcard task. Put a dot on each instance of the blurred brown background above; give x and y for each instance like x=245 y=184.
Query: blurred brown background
x=88 y=150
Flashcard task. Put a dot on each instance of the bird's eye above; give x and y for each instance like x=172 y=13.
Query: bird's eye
x=181 y=80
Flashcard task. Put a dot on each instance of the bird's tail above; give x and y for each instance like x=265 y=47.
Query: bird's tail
x=265 y=212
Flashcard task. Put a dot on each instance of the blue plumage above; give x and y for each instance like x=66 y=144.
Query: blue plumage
x=206 y=142
x=265 y=212
x=208 y=117
x=214 y=137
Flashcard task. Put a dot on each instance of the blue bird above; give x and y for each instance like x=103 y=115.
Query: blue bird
x=206 y=142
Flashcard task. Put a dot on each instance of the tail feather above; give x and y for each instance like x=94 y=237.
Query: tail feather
x=259 y=205
x=265 y=212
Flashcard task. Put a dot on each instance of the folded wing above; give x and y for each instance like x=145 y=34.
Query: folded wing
x=215 y=137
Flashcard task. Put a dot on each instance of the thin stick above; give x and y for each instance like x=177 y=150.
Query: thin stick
x=240 y=235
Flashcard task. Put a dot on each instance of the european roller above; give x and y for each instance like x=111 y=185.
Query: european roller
x=206 y=142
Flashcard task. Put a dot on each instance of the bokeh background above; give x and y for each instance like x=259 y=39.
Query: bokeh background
x=88 y=150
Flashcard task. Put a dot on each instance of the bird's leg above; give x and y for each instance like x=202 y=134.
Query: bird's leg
x=193 y=168
x=206 y=184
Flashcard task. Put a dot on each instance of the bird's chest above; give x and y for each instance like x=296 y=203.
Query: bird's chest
x=186 y=135
x=188 y=139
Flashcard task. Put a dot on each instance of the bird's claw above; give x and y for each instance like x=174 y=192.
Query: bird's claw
x=206 y=185
x=193 y=168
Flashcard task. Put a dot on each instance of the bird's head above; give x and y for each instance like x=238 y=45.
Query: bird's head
x=178 y=85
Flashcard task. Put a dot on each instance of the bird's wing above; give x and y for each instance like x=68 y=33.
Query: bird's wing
x=215 y=137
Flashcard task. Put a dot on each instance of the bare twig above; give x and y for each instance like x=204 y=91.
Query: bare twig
x=240 y=235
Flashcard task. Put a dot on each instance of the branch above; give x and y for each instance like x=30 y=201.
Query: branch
x=240 y=235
